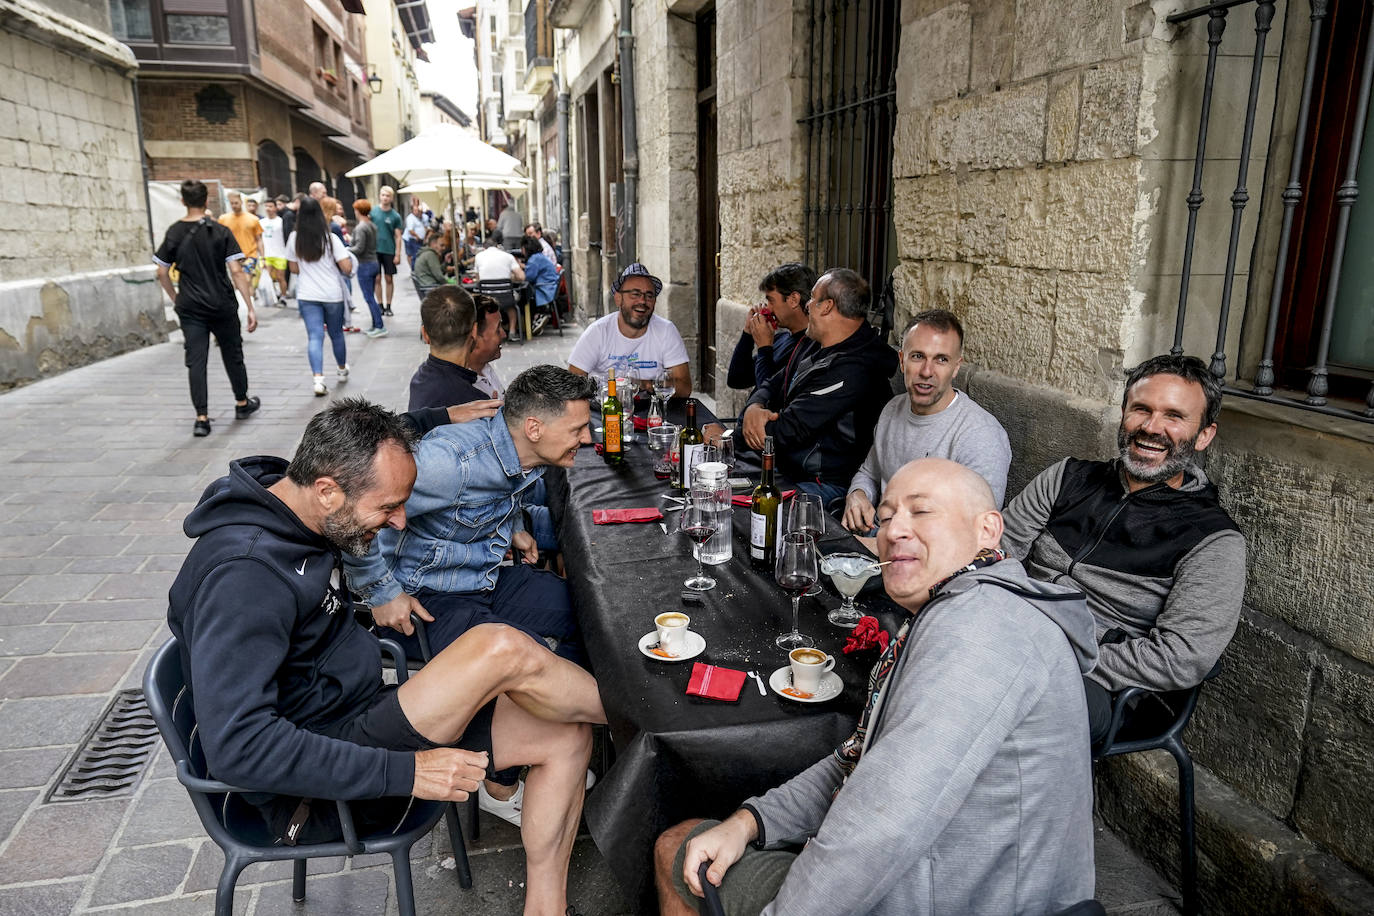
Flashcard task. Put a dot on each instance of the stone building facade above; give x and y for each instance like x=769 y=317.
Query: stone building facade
x=1042 y=162
x=76 y=284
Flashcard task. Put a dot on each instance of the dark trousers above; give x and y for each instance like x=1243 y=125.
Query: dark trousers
x=1099 y=711
x=196 y=332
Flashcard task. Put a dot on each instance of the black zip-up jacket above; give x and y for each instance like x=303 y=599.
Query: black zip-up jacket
x=1163 y=565
x=828 y=401
x=271 y=650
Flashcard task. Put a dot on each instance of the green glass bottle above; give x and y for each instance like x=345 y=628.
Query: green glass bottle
x=763 y=514
x=612 y=448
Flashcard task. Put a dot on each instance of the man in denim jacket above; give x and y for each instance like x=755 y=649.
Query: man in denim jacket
x=464 y=516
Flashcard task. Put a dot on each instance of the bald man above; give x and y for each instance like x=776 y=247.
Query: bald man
x=967 y=785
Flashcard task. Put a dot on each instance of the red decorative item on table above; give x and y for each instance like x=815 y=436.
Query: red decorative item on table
x=867 y=634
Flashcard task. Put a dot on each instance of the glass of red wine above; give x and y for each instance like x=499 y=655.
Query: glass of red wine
x=806 y=514
x=796 y=572
x=698 y=523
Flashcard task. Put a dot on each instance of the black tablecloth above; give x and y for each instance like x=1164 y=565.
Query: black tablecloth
x=681 y=756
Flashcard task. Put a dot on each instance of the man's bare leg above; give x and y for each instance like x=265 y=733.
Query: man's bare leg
x=670 y=902
x=489 y=660
x=557 y=755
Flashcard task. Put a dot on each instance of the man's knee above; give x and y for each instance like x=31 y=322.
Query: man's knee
x=667 y=845
x=512 y=651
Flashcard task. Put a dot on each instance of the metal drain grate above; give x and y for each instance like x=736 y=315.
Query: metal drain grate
x=111 y=760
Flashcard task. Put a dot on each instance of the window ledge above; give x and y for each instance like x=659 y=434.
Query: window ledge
x=1293 y=414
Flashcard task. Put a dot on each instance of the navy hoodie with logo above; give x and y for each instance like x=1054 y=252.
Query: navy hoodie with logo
x=271 y=650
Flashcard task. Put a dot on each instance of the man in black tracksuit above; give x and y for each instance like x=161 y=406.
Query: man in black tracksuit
x=1144 y=536
x=821 y=408
x=287 y=687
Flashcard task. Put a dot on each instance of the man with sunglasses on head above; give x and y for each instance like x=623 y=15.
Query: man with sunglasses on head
x=649 y=342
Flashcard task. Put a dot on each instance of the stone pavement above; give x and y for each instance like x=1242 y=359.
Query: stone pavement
x=101 y=468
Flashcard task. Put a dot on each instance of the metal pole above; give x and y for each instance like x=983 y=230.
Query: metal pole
x=565 y=186
x=1292 y=195
x=452 y=222
x=1346 y=196
x=629 y=250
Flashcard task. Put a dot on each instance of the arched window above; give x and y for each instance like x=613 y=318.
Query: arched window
x=274 y=169
x=344 y=191
x=307 y=170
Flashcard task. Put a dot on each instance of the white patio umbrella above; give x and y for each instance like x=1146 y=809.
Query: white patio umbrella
x=444 y=152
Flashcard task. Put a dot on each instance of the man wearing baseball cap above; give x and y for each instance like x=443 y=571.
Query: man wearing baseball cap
x=649 y=343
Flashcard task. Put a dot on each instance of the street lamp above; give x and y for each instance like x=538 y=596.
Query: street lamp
x=374 y=82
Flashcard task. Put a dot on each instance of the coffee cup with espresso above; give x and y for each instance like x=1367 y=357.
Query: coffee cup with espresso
x=808 y=665
x=672 y=632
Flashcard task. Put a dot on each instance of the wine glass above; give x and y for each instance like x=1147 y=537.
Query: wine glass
x=664 y=388
x=697 y=521
x=806 y=514
x=796 y=572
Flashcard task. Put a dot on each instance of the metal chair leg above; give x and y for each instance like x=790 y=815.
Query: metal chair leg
x=405 y=889
x=475 y=816
x=460 y=850
x=224 y=893
x=298 y=881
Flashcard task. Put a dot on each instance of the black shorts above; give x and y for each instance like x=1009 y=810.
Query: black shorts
x=382 y=724
x=388 y=262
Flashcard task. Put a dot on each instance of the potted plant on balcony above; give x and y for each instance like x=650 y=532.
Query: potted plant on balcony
x=328 y=75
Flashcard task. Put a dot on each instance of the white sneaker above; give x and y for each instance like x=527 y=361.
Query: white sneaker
x=320 y=390
x=508 y=810
x=374 y=333
x=343 y=374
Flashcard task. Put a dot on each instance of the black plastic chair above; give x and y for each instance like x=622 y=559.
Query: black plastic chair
x=237 y=827
x=1145 y=720
x=503 y=291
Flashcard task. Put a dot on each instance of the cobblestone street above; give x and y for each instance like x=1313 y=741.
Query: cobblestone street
x=102 y=468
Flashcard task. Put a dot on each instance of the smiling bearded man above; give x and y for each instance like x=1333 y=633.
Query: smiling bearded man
x=967 y=784
x=1144 y=536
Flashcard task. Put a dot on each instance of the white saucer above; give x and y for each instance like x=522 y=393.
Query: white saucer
x=830 y=687
x=696 y=644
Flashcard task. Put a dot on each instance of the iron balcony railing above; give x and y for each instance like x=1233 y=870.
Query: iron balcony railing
x=1263 y=379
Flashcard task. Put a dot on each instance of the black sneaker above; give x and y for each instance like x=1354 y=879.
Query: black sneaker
x=201 y=429
x=243 y=410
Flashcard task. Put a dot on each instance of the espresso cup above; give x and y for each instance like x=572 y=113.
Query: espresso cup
x=672 y=632
x=807 y=667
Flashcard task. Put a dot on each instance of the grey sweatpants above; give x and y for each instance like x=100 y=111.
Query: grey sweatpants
x=749 y=885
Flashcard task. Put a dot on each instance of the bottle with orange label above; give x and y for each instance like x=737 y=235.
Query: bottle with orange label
x=612 y=449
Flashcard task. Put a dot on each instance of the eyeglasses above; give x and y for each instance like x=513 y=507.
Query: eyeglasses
x=639 y=295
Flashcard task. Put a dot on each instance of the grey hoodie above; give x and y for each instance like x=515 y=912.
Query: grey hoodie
x=974 y=792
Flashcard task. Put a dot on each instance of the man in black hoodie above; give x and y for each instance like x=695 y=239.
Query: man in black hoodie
x=287 y=686
x=821 y=408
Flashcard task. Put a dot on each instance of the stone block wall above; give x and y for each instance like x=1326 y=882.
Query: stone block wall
x=761 y=92
x=73 y=219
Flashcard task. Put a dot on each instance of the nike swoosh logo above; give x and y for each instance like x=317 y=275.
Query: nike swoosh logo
x=301 y=570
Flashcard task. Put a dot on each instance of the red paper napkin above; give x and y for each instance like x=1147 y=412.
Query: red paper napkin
x=715 y=683
x=746 y=499
x=616 y=516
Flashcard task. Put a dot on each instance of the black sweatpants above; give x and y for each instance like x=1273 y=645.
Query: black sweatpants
x=197 y=331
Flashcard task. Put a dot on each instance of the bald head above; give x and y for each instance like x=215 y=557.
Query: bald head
x=934 y=518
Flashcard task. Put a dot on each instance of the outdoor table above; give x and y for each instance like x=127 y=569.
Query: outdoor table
x=681 y=756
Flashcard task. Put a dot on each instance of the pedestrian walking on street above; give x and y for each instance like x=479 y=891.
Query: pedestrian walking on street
x=388 y=223
x=364 y=249
x=322 y=261
x=201 y=249
x=416 y=229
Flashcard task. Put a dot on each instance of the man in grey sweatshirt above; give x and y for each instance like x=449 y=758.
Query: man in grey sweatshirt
x=930 y=420
x=966 y=787
x=1144 y=536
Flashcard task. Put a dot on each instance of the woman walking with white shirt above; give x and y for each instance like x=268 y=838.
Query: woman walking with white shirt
x=322 y=261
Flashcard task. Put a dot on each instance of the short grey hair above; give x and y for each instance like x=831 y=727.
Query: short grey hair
x=544 y=391
x=850 y=291
x=342 y=442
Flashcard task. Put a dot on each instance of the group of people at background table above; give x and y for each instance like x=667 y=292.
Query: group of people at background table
x=966 y=785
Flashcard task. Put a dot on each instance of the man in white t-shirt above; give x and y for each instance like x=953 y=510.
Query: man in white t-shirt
x=274 y=248
x=495 y=263
x=634 y=333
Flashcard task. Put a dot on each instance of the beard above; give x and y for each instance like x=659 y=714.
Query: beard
x=342 y=530
x=628 y=316
x=1177 y=456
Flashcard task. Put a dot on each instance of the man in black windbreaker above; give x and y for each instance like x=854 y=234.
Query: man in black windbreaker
x=1144 y=536
x=287 y=686
x=821 y=408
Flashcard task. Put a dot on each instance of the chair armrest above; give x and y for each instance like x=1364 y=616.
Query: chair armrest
x=398 y=657
x=350 y=832
x=422 y=636
x=1120 y=705
x=195 y=783
x=710 y=902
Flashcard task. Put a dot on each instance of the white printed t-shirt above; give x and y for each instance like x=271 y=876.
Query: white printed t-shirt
x=273 y=244
x=602 y=344
x=320 y=281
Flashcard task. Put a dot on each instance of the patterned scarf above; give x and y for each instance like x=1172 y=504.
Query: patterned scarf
x=849 y=752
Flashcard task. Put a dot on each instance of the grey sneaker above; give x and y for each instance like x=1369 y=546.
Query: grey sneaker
x=343 y=374
x=374 y=333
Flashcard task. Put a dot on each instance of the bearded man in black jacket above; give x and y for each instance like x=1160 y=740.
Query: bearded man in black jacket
x=287 y=686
